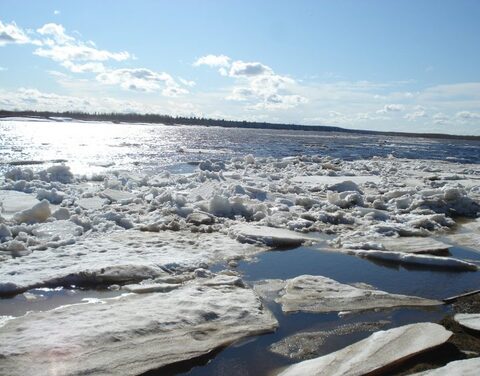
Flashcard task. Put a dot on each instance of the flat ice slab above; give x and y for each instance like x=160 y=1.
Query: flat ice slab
x=469 y=240
x=126 y=256
x=375 y=353
x=330 y=180
x=308 y=293
x=419 y=260
x=116 y=195
x=270 y=236
x=132 y=333
x=91 y=203
x=468 y=320
x=466 y=367
x=415 y=245
x=12 y=202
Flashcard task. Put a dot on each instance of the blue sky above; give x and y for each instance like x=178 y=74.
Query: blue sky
x=384 y=65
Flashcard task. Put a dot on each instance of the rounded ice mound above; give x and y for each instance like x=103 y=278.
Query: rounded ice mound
x=59 y=173
x=37 y=214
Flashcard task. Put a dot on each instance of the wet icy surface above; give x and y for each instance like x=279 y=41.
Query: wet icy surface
x=154 y=210
x=96 y=146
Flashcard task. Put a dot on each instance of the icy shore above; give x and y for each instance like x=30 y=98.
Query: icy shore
x=155 y=237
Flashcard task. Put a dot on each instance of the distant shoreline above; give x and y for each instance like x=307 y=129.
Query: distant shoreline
x=172 y=120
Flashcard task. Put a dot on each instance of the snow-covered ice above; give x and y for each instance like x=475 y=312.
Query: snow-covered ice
x=468 y=320
x=132 y=333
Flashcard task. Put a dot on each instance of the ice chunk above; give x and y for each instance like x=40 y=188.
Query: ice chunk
x=270 y=236
x=468 y=320
x=414 y=245
x=309 y=293
x=61 y=214
x=344 y=186
x=12 y=202
x=36 y=214
x=149 y=330
x=15 y=247
x=374 y=354
x=53 y=196
x=116 y=195
x=5 y=233
x=60 y=173
x=91 y=203
x=421 y=260
x=200 y=218
x=61 y=229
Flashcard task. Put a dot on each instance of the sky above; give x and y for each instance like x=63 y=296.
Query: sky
x=384 y=65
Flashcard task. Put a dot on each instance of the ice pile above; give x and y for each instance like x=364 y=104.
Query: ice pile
x=156 y=235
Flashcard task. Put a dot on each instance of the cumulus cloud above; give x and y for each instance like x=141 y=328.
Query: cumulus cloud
x=82 y=57
x=417 y=113
x=11 y=33
x=243 y=69
x=142 y=79
x=255 y=83
x=61 y=47
x=56 y=12
x=440 y=118
x=468 y=115
x=391 y=108
x=213 y=61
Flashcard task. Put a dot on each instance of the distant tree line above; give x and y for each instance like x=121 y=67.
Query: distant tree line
x=193 y=120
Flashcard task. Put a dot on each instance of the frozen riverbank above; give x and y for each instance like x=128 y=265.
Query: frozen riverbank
x=155 y=236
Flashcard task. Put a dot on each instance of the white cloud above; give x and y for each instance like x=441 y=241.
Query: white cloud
x=256 y=84
x=142 y=79
x=3 y=69
x=188 y=83
x=440 y=118
x=11 y=33
x=468 y=115
x=213 y=61
x=243 y=69
x=56 y=12
x=418 y=113
x=391 y=108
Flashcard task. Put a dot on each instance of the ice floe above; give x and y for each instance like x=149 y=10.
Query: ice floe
x=468 y=320
x=419 y=260
x=149 y=330
x=375 y=353
x=317 y=294
x=138 y=255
